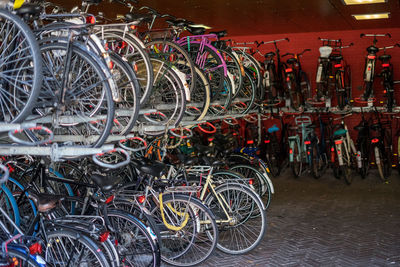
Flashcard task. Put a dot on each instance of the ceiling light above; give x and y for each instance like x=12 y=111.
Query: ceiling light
x=372 y=16
x=361 y=2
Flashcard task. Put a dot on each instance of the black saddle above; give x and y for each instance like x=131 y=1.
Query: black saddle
x=360 y=127
x=93 y=2
x=153 y=168
x=138 y=18
x=385 y=57
x=372 y=50
x=177 y=22
x=196 y=30
x=337 y=58
x=269 y=54
x=220 y=34
x=204 y=150
x=291 y=60
x=106 y=182
x=45 y=202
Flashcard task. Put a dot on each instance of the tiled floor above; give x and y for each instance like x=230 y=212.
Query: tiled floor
x=327 y=223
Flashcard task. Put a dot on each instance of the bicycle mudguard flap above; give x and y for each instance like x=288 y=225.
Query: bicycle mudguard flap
x=273 y=129
x=325 y=51
x=340 y=132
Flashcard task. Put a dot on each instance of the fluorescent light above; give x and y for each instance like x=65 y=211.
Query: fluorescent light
x=372 y=16
x=362 y=2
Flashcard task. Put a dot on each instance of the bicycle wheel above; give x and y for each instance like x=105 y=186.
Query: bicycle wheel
x=168 y=97
x=235 y=73
x=364 y=159
x=340 y=89
x=9 y=205
x=84 y=112
x=319 y=161
x=198 y=236
x=221 y=99
x=248 y=221
x=72 y=248
x=297 y=164
x=127 y=110
x=176 y=57
x=305 y=87
x=135 y=242
x=208 y=61
x=124 y=44
x=20 y=70
x=200 y=97
x=380 y=161
x=20 y=259
x=295 y=96
x=272 y=156
x=244 y=99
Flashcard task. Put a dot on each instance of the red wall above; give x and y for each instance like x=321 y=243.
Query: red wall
x=354 y=56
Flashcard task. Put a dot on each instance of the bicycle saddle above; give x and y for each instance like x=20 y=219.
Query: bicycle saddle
x=196 y=30
x=212 y=161
x=340 y=133
x=273 y=129
x=138 y=18
x=204 y=149
x=385 y=57
x=372 y=49
x=376 y=127
x=291 y=60
x=45 y=202
x=106 y=182
x=325 y=51
x=360 y=127
x=336 y=57
x=153 y=168
x=269 y=54
x=94 y=2
x=177 y=22
x=220 y=34
x=187 y=160
x=29 y=9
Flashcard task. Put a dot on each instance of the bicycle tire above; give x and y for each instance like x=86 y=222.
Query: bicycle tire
x=200 y=99
x=23 y=258
x=381 y=165
x=177 y=252
x=297 y=164
x=245 y=95
x=80 y=96
x=22 y=84
x=364 y=159
x=137 y=58
x=212 y=64
x=135 y=241
x=175 y=55
x=54 y=238
x=251 y=212
x=235 y=69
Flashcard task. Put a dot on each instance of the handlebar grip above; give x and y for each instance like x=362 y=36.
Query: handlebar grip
x=4 y=177
x=12 y=136
x=112 y=166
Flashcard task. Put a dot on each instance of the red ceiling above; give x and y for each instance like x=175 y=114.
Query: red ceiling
x=254 y=17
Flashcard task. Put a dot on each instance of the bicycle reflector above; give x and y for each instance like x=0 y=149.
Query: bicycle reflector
x=371 y=57
x=290 y=151
x=338 y=142
x=289 y=70
x=385 y=65
x=375 y=140
x=338 y=65
x=109 y=199
x=250 y=142
x=104 y=236
x=251 y=181
x=267 y=141
x=141 y=199
x=90 y=20
x=35 y=248
x=307 y=142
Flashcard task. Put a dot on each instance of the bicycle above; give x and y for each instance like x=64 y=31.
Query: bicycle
x=370 y=63
x=296 y=81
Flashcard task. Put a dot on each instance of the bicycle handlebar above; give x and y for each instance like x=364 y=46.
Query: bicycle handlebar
x=151 y=10
x=346 y=46
x=275 y=41
x=389 y=47
x=109 y=165
x=329 y=40
x=375 y=35
x=298 y=54
x=6 y=174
